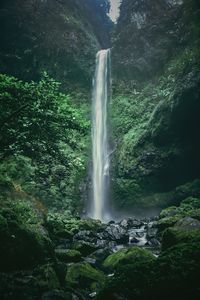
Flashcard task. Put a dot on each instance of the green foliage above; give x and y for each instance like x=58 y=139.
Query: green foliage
x=43 y=139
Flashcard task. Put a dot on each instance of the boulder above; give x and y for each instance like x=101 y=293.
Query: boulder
x=84 y=276
x=187 y=224
x=117 y=233
x=127 y=256
x=68 y=255
x=85 y=248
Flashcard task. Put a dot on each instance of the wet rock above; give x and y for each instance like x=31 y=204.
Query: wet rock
x=137 y=223
x=62 y=243
x=126 y=223
x=68 y=255
x=90 y=260
x=112 y=245
x=85 y=248
x=103 y=235
x=151 y=232
x=117 y=233
x=102 y=243
x=153 y=243
x=101 y=254
x=134 y=240
x=85 y=235
x=187 y=224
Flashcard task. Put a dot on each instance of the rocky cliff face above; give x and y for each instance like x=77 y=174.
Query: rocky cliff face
x=148 y=34
x=156 y=111
x=58 y=36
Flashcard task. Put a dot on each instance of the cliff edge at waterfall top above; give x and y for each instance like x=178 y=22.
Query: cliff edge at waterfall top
x=99 y=156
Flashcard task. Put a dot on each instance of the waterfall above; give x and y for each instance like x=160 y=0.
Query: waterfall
x=100 y=154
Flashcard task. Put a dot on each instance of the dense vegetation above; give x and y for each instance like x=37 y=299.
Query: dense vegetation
x=43 y=141
x=47 y=58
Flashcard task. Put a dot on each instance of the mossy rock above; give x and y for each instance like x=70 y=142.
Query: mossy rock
x=68 y=255
x=85 y=276
x=166 y=222
x=132 y=269
x=173 y=275
x=127 y=256
x=23 y=245
x=190 y=203
x=169 y=212
x=176 y=273
x=46 y=276
x=85 y=248
x=174 y=236
x=189 y=207
x=64 y=225
x=195 y=214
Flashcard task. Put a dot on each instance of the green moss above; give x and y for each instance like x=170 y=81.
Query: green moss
x=174 y=274
x=85 y=276
x=68 y=255
x=170 y=211
x=127 y=256
x=188 y=207
x=173 y=236
x=64 y=224
x=24 y=241
x=168 y=222
x=46 y=277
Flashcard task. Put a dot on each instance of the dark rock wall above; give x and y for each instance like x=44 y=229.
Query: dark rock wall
x=58 y=36
x=148 y=34
x=156 y=91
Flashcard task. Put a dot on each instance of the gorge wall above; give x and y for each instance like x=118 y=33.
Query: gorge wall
x=156 y=105
x=58 y=36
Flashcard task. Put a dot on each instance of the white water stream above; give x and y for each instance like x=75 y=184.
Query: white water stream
x=100 y=151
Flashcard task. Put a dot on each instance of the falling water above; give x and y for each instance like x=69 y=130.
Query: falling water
x=100 y=155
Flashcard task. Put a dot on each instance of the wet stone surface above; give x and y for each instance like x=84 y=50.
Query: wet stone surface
x=113 y=236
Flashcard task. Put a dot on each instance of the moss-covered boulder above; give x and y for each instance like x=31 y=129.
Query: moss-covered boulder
x=65 y=225
x=173 y=275
x=166 y=222
x=127 y=256
x=176 y=273
x=189 y=208
x=68 y=255
x=84 y=276
x=85 y=248
x=132 y=268
x=173 y=236
x=24 y=241
x=169 y=212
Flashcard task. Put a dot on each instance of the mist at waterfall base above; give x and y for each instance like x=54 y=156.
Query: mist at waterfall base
x=99 y=204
